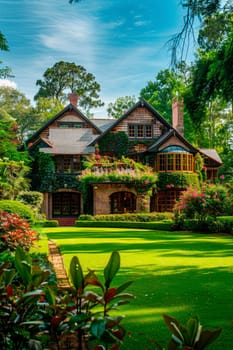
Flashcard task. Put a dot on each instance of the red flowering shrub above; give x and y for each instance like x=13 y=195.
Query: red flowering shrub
x=209 y=201
x=14 y=232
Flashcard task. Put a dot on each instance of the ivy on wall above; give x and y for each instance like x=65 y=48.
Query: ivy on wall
x=46 y=180
x=177 y=180
x=115 y=143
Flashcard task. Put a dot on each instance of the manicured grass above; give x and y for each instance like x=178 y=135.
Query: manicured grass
x=176 y=273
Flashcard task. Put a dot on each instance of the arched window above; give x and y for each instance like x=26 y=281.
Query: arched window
x=175 y=158
x=123 y=202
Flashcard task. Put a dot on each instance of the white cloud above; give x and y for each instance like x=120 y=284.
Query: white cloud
x=8 y=83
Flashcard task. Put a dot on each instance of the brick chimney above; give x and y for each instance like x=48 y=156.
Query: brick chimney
x=178 y=115
x=73 y=99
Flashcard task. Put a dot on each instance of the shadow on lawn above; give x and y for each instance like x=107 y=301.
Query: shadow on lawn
x=179 y=283
x=182 y=293
x=191 y=245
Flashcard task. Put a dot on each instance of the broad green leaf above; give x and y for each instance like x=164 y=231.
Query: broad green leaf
x=76 y=273
x=111 y=268
x=23 y=264
x=98 y=328
x=7 y=276
x=50 y=296
x=124 y=286
x=192 y=328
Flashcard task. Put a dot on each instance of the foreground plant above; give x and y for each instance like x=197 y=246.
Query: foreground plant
x=87 y=308
x=21 y=315
x=190 y=336
x=14 y=232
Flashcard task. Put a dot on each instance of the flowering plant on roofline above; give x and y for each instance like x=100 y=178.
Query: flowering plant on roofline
x=124 y=170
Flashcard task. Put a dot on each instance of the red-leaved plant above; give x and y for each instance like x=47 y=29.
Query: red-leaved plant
x=15 y=231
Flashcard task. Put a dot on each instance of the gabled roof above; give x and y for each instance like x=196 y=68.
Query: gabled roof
x=211 y=153
x=140 y=103
x=166 y=136
x=69 y=107
x=103 y=123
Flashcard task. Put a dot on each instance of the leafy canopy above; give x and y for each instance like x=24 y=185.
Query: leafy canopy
x=120 y=106
x=65 y=78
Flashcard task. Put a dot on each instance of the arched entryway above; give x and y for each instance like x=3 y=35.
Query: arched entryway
x=123 y=202
x=66 y=205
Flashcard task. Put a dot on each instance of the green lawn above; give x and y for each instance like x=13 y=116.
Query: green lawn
x=175 y=273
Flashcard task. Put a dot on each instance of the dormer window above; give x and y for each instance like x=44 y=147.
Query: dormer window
x=66 y=124
x=140 y=131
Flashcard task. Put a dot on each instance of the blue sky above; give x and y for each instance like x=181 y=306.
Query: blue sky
x=121 y=42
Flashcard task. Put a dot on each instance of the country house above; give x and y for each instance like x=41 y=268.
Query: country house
x=85 y=165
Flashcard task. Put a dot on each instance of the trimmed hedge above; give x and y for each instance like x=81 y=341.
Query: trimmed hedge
x=135 y=217
x=16 y=207
x=159 y=225
x=47 y=223
x=227 y=222
x=222 y=224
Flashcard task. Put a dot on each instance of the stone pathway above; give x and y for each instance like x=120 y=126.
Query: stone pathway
x=58 y=265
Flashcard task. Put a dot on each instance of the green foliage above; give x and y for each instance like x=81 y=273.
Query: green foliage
x=165 y=225
x=16 y=207
x=45 y=179
x=159 y=93
x=135 y=217
x=177 y=180
x=21 y=316
x=3 y=43
x=33 y=199
x=12 y=178
x=124 y=170
x=111 y=268
x=227 y=223
x=65 y=76
x=116 y=144
x=203 y=204
x=45 y=109
x=19 y=108
x=15 y=232
x=190 y=336
x=5 y=72
x=102 y=329
x=49 y=223
x=122 y=104
x=9 y=137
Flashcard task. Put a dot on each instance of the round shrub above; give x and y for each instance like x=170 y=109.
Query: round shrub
x=16 y=207
x=33 y=199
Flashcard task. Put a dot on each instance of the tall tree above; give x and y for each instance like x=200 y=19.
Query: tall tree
x=18 y=107
x=120 y=106
x=160 y=92
x=65 y=78
x=45 y=109
x=5 y=72
x=197 y=11
x=13 y=168
x=8 y=137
